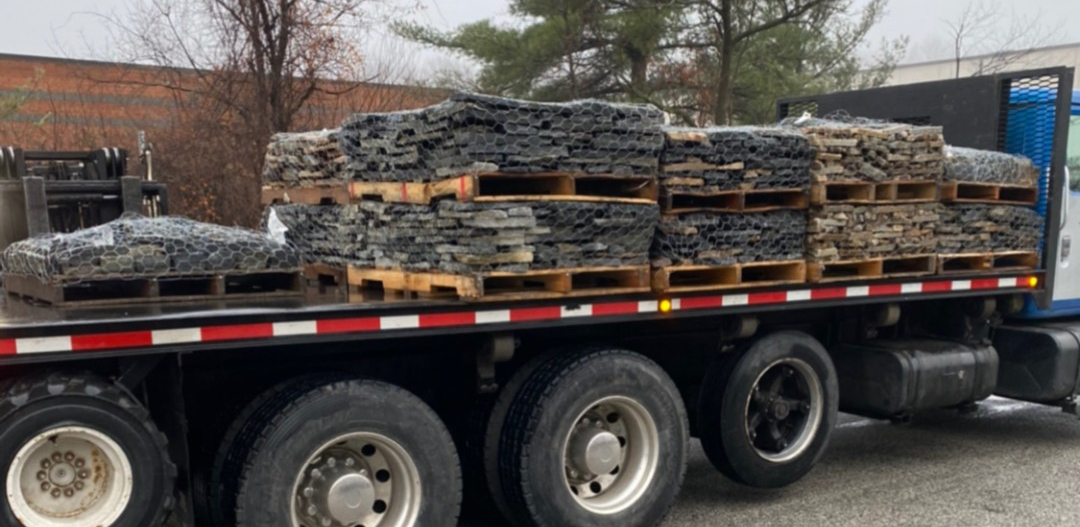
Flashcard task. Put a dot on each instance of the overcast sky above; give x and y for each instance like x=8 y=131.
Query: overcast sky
x=68 y=28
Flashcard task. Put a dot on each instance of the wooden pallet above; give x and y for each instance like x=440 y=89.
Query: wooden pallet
x=856 y=192
x=994 y=193
x=230 y=286
x=581 y=281
x=683 y=202
x=871 y=268
x=480 y=187
x=688 y=278
x=976 y=262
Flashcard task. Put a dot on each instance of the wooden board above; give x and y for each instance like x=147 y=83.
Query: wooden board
x=683 y=202
x=977 y=262
x=871 y=268
x=689 y=278
x=236 y=286
x=993 y=193
x=484 y=186
x=855 y=192
x=502 y=285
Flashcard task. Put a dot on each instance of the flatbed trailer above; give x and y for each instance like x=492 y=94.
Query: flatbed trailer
x=553 y=412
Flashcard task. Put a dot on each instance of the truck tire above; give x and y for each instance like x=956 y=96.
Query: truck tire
x=354 y=452
x=222 y=478
x=594 y=437
x=767 y=412
x=79 y=450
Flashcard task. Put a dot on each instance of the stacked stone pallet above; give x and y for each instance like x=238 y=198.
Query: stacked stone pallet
x=986 y=228
x=842 y=232
x=134 y=247
x=729 y=238
x=875 y=151
x=470 y=132
x=969 y=228
x=472 y=238
x=305 y=160
x=734 y=158
x=707 y=160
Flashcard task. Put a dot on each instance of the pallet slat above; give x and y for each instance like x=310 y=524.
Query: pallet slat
x=993 y=193
x=487 y=186
x=871 y=268
x=977 y=262
x=840 y=192
x=503 y=286
x=159 y=289
x=689 y=278
x=681 y=202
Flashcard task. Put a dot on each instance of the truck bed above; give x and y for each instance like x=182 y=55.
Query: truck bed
x=33 y=333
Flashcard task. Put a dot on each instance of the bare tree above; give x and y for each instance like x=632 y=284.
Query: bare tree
x=995 y=40
x=238 y=71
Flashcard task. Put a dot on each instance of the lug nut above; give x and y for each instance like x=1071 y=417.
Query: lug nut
x=312 y=511
x=79 y=485
x=83 y=474
x=349 y=462
x=79 y=463
x=55 y=493
x=69 y=493
x=331 y=462
x=45 y=487
x=45 y=463
x=56 y=457
x=69 y=457
x=309 y=492
x=41 y=476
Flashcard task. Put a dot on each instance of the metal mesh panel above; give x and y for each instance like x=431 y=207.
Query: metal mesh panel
x=471 y=238
x=723 y=239
x=735 y=158
x=1029 y=113
x=978 y=228
x=984 y=166
x=138 y=247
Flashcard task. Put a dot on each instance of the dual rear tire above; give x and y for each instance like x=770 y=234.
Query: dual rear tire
x=594 y=437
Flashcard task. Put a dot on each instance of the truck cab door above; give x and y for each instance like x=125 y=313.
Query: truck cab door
x=1066 y=293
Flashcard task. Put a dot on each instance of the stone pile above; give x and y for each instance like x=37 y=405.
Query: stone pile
x=862 y=150
x=471 y=238
x=735 y=158
x=839 y=232
x=472 y=132
x=137 y=247
x=984 y=166
x=304 y=160
x=978 y=228
x=724 y=239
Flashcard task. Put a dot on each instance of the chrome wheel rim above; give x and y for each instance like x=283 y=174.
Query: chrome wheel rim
x=610 y=455
x=69 y=476
x=784 y=410
x=359 y=479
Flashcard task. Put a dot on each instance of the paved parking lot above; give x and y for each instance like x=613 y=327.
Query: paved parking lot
x=1008 y=464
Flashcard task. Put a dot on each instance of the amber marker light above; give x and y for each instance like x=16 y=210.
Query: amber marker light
x=1033 y=281
x=665 y=306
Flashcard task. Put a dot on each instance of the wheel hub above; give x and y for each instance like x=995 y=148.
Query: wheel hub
x=357 y=480
x=610 y=455
x=783 y=410
x=596 y=451
x=70 y=474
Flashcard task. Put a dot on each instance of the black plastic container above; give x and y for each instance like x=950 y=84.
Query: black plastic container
x=1038 y=363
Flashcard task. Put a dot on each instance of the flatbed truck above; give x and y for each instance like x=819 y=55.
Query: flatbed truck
x=553 y=412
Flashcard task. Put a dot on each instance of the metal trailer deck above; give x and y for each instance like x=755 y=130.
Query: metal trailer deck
x=30 y=333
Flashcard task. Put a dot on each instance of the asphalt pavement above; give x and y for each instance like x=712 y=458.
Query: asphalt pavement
x=1007 y=464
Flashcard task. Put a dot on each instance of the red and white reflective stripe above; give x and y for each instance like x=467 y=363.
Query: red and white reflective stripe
x=269 y=330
